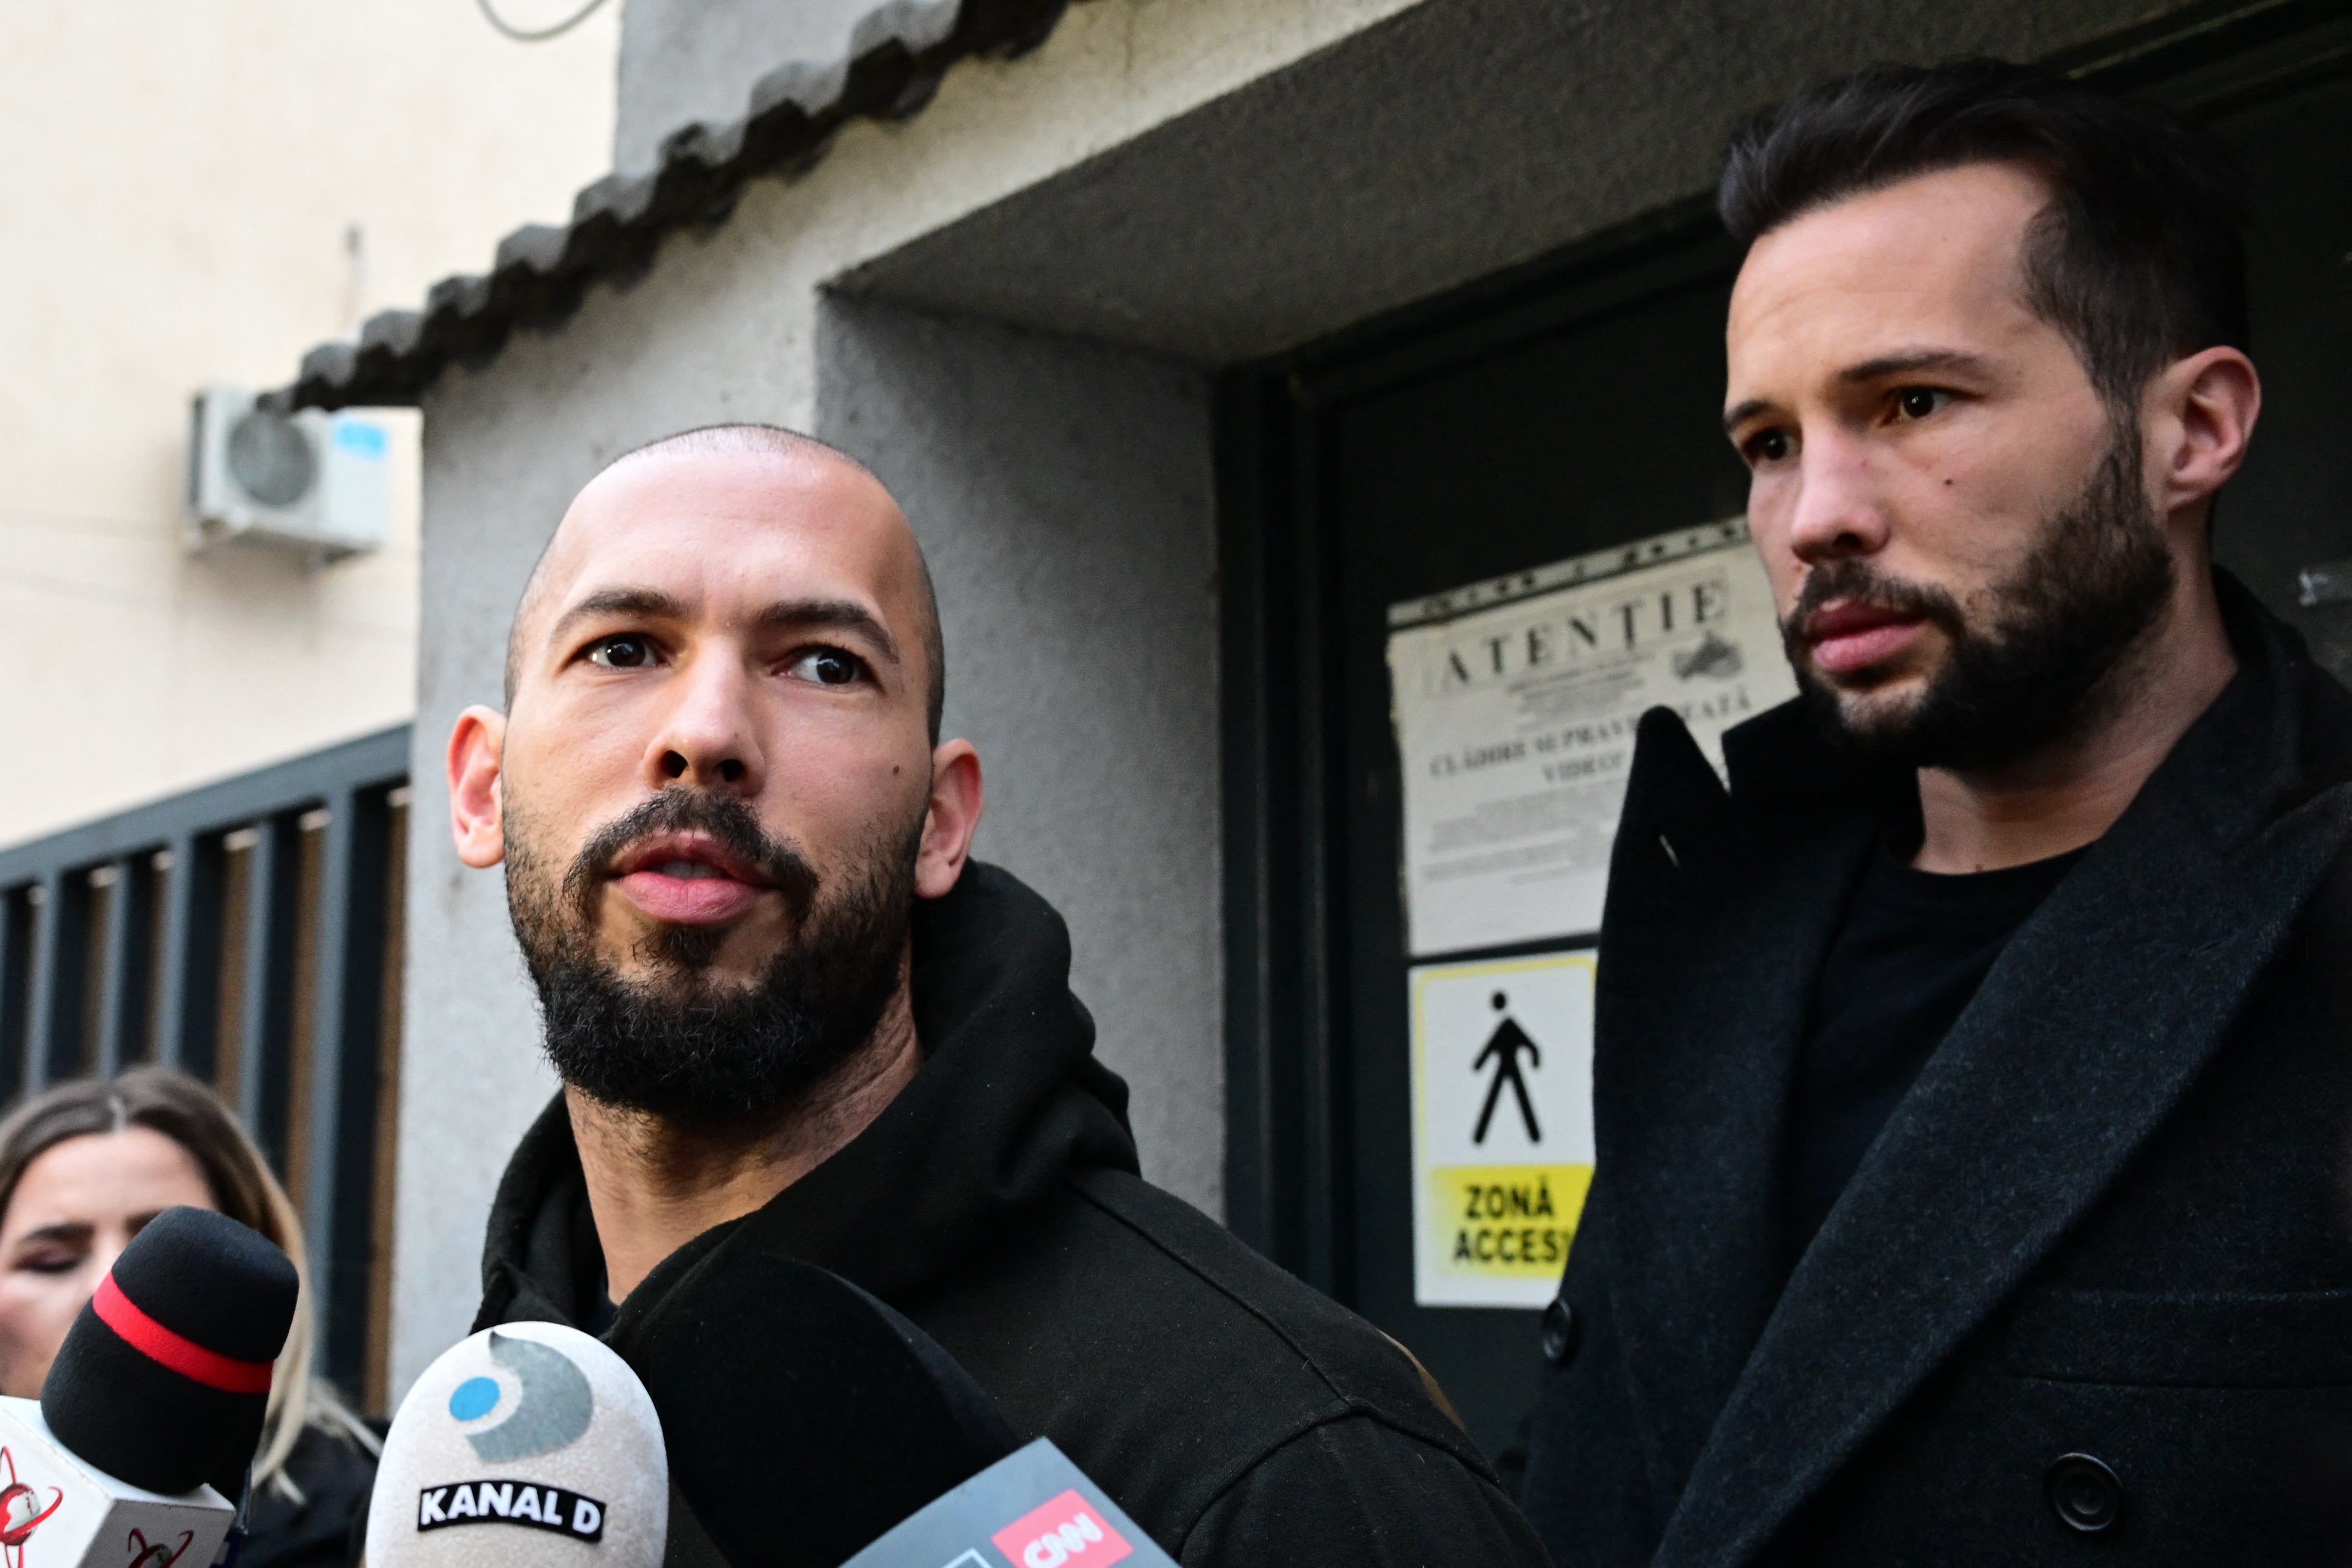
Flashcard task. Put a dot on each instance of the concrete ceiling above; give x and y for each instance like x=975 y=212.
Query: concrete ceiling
x=1455 y=139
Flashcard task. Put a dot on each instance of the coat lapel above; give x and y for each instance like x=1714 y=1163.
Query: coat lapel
x=2082 y=1041
x=1721 y=933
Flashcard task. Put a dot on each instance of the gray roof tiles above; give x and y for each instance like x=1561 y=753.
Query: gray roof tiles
x=898 y=54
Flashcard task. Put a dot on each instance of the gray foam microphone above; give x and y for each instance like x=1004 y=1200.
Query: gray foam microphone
x=523 y=1446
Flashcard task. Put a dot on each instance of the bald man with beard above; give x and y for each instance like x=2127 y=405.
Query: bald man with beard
x=793 y=1015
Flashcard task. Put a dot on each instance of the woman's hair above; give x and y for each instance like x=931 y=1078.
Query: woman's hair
x=192 y=1116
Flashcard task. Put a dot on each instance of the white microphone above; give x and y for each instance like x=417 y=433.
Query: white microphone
x=59 y=1507
x=517 y=1447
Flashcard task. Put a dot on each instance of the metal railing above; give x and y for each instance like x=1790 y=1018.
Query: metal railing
x=248 y=932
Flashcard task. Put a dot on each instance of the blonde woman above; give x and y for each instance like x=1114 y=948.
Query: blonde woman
x=83 y=1165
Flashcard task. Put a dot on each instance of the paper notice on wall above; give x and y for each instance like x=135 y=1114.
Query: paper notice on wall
x=1516 y=702
x=1502 y=1126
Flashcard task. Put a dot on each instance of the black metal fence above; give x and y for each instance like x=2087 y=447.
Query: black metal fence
x=248 y=932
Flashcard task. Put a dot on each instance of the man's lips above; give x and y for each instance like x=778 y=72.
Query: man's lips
x=683 y=880
x=1848 y=637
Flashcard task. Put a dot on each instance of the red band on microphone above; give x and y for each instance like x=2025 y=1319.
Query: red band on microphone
x=181 y=1354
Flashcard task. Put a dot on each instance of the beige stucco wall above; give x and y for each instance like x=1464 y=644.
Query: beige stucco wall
x=180 y=181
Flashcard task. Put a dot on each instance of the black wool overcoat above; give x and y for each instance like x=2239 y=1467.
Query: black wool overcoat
x=1236 y=1413
x=2089 y=1297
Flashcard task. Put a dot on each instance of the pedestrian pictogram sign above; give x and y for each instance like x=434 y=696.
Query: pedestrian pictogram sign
x=1502 y=1065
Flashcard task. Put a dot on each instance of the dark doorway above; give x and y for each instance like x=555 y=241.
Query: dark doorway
x=1567 y=409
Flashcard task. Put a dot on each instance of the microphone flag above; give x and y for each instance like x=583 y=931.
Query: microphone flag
x=57 y=1508
x=1033 y=1509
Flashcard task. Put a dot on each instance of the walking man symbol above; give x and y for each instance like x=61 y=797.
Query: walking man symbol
x=1503 y=1048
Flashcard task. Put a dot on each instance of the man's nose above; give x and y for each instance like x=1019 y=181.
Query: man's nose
x=1839 y=509
x=708 y=739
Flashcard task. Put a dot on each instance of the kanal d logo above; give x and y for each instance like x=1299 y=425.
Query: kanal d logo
x=555 y=1410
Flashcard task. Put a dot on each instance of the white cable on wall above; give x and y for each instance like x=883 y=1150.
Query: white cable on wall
x=539 y=35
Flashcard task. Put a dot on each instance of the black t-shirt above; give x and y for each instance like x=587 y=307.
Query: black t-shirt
x=1915 y=947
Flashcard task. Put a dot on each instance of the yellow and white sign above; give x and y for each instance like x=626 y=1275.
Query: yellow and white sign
x=1502 y=1126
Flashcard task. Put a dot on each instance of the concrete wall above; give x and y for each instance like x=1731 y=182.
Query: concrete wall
x=683 y=60
x=1426 y=150
x=185 y=184
x=1062 y=493
x=1181 y=184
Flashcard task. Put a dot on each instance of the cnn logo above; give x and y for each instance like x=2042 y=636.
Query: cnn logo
x=1066 y=1530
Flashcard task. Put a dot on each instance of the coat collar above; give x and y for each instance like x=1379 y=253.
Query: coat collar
x=1708 y=948
x=2080 y=1042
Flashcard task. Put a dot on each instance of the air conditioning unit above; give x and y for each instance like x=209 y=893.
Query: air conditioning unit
x=319 y=483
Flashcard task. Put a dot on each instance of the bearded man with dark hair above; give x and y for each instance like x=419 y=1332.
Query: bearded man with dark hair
x=1973 y=1070
x=793 y=1017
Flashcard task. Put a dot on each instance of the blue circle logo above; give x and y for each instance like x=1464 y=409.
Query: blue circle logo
x=474 y=1398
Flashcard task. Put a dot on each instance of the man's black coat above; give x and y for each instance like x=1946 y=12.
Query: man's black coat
x=1237 y=1414
x=2112 y=1219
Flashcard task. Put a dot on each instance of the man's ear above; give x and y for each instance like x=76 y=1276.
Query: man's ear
x=2198 y=417
x=476 y=810
x=953 y=818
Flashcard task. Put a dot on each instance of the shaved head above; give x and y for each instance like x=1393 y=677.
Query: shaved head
x=739 y=440
x=718 y=786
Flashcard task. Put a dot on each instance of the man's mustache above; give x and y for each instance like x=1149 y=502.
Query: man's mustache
x=723 y=818
x=1853 y=581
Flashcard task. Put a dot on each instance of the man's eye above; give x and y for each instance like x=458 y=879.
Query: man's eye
x=1918 y=402
x=1769 y=447
x=828 y=666
x=621 y=652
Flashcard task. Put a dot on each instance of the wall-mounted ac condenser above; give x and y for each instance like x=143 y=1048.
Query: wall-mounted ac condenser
x=315 y=482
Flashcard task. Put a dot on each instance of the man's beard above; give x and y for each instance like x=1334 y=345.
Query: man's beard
x=676 y=1044
x=2038 y=668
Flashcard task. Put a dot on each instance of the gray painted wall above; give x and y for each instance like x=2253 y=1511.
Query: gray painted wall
x=471 y=1073
x=1062 y=493
x=683 y=60
x=1426 y=151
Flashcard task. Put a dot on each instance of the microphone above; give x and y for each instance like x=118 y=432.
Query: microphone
x=162 y=1382
x=516 y=1448
x=810 y=1426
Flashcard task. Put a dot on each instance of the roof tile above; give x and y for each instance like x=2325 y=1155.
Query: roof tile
x=897 y=55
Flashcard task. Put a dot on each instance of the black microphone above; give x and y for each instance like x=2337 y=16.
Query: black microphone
x=804 y=1418
x=162 y=1384
x=810 y=1425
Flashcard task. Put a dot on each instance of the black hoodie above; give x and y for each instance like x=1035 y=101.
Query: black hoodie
x=1239 y=1416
